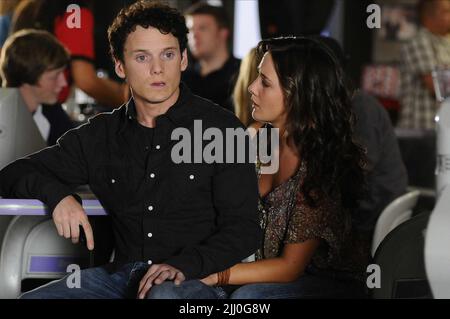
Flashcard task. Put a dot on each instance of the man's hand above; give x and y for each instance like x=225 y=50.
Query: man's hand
x=156 y=275
x=68 y=216
x=211 y=280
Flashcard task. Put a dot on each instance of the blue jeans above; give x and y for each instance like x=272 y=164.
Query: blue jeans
x=95 y=283
x=98 y=283
x=307 y=286
x=191 y=289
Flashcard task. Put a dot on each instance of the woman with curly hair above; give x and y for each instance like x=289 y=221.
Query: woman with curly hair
x=309 y=248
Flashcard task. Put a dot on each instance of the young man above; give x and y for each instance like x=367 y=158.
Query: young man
x=212 y=76
x=171 y=221
x=34 y=61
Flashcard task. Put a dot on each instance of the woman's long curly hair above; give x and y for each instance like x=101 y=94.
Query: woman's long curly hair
x=320 y=118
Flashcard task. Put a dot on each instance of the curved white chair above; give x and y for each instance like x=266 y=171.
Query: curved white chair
x=393 y=215
x=30 y=247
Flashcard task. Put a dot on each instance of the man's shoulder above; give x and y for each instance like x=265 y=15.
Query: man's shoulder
x=235 y=61
x=368 y=109
x=113 y=115
x=232 y=65
x=103 y=122
x=213 y=114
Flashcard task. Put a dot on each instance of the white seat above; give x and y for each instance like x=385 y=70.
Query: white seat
x=437 y=253
x=393 y=215
x=31 y=248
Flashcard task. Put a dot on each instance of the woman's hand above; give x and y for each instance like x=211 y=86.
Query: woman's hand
x=211 y=280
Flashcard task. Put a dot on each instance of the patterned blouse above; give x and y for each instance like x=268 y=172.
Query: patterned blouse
x=286 y=218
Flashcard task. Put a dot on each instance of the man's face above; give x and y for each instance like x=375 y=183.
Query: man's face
x=152 y=66
x=442 y=15
x=205 y=35
x=49 y=85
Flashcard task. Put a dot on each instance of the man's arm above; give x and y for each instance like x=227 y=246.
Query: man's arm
x=50 y=176
x=427 y=80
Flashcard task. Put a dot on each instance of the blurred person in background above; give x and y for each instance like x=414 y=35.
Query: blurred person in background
x=248 y=72
x=34 y=62
x=213 y=72
x=387 y=177
x=427 y=51
x=52 y=15
x=6 y=12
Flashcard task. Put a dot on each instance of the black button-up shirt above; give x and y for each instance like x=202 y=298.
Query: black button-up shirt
x=198 y=217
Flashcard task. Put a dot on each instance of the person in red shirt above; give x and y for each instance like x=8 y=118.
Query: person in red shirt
x=54 y=16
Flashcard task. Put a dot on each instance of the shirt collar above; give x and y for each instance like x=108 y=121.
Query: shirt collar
x=179 y=113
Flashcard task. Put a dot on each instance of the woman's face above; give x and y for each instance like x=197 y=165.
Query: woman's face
x=267 y=95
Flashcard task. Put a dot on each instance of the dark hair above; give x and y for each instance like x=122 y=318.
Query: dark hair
x=145 y=14
x=335 y=48
x=27 y=54
x=320 y=118
x=218 y=13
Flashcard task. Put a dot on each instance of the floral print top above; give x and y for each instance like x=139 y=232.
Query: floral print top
x=286 y=218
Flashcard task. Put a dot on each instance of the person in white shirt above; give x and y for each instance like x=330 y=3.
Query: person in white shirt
x=34 y=62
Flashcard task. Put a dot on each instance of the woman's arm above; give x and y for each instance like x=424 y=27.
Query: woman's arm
x=286 y=268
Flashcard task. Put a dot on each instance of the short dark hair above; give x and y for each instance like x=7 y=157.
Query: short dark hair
x=146 y=14
x=218 y=13
x=27 y=54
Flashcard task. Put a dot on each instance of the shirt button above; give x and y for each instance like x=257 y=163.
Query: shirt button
x=149 y=235
x=149 y=262
x=191 y=177
x=158 y=147
x=152 y=175
x=150 y=208
x=113 y=181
